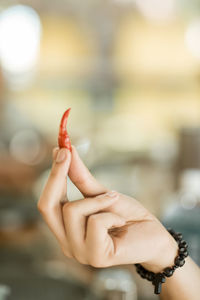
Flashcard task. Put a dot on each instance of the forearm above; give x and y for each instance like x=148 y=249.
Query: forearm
x=184 y=284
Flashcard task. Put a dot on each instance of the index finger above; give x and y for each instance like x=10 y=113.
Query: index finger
x=83 y=179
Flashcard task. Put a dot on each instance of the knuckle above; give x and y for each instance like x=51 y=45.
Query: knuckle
x=45 y=207
x=40 y=207
x=53 y=173
x=100 y=198
x=107 y=196
x=97 y=262
x=94 y=220
x=66 y=252
x=75 y=255
x=69 y=209
x=80 y=259
x=117 y=194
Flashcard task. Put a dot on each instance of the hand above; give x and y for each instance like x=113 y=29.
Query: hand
x=105 y=228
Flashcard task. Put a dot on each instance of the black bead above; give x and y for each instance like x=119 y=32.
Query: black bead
x=163 y=278
x=139 y=268
x=150 y=276
x=183 y=253
x=168 y=272
x=171 y=231
x=179 y=235
x=142 y=269
x=183 y=256
x=183 y=244
x=179 y=261
x=143 y=274
x=182 y=263
x=181 y=250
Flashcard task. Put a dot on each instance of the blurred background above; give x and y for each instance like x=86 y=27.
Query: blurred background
x=130 y=71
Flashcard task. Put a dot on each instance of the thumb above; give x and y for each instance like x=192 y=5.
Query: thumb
x=54 y=193
x=82 y=178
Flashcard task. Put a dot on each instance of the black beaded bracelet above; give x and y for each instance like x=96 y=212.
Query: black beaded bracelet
x=158 y=278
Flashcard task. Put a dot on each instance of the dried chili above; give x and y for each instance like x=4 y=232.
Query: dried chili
x=63 y=137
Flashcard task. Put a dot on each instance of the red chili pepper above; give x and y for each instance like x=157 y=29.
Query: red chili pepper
x=63 y=137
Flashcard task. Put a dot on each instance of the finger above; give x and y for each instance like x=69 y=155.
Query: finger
x=82 y=178
x=56 y=183
x=75 y=217
x=54 y=191
x=101 y=247
x=55 y=152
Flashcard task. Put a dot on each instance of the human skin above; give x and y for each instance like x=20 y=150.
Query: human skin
x=107 y=228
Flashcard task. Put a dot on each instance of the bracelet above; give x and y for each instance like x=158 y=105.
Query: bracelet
x=158 y=278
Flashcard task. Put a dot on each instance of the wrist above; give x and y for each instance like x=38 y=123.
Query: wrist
x=165 y=255
x=163 y=267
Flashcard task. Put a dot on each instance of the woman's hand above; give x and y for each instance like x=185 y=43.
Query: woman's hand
x=105 y=228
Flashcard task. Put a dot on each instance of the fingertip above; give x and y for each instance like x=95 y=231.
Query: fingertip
x=55 y=149
x=73 y=150
x=61 y=155
x=68 y=155
x=73 y=147
x=55 y=152
x=61 y=163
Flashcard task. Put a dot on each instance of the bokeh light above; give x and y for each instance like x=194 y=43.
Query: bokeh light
x=192 y=38
x=20 y=31
x=25 y=147
x=157 y=10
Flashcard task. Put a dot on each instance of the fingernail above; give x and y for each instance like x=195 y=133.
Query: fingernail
x=62 y=153
x=55 y=152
